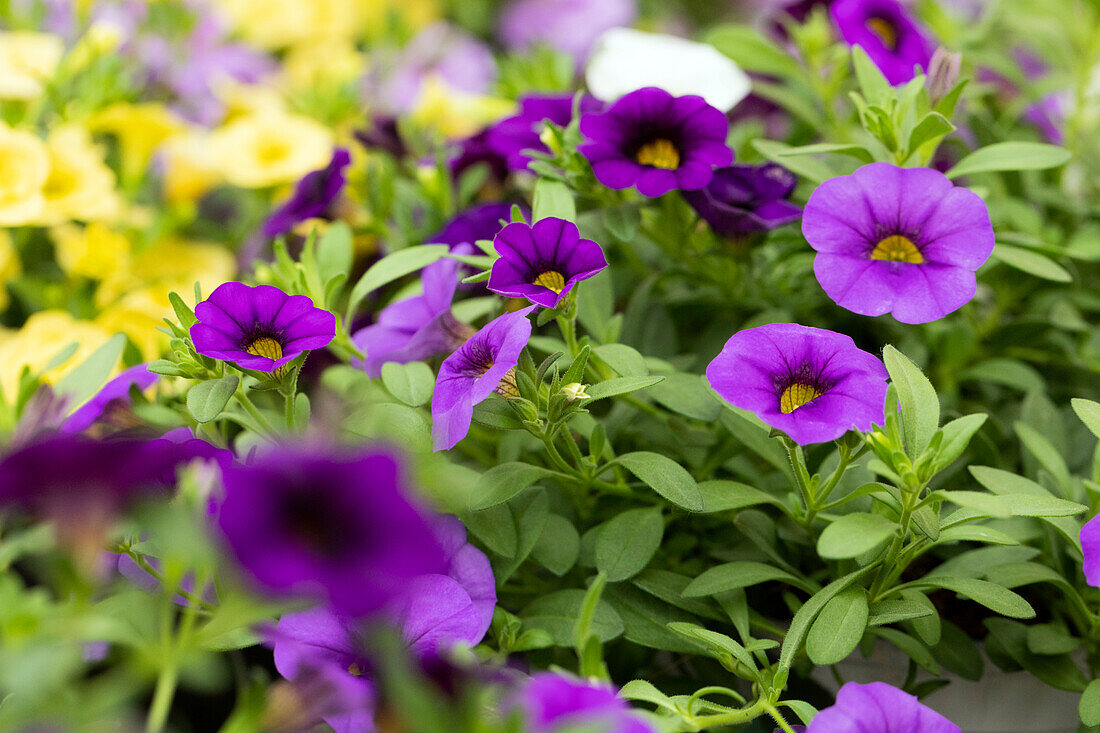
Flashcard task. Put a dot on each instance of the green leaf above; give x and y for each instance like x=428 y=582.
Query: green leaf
x=1057 y=671
x=956 y=436
x=688 y=395
x=958 y=652
x=628 y=542
x=494 y=527
x=1089 y=412
x=1014 y=505
x=800 y=624
x=501 y=482
x=1050 y=639
x=410 y=383
x=872 y=82
x=808 y=168
x=1031 y=262
x=1011 y=156
x=646 y=692
x=1089 y=707
x=206 y=400
x=184 y=314
x=933 y=125
x=720 y=645
x=394 y=266
x=850 y=149
x=622 y=222
x=753 y=51
x=914 y=649
x=557 y=615
x=618 y=386
x=838 y=628
x=335 y=251
x=992 y=596
x=558 y=546
x=553 y=199
x=920 y=405
x=87 y=377
x=741 y=574
x=665 y=476
x=891 y=612
x=720 y=495
x=854 y=534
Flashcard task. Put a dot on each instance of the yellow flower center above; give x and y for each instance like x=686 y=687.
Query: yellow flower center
x=659 y=153
x=897 y=248
x=552 y=280
x=272 y=151
x=355 y=670
x=797 y=395
x=266 y=346
x=885 y=31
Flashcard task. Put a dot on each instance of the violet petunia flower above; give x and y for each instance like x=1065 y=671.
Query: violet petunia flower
x=475 y=223
x=476 y=150
x=542 y=262
x=570 y=26
x=112 y=400
x=1090 y=544
x=656 y=142
x=418 y=327
x=896 y=240
x=478 y=368
x=383 y=134
x=746 y=198
x=814 y=385
x=881 y=708
x=306 y=521
x=259 y=327
x=513 y=136
x=555 y=703
x=884 y=29
x=313 y=196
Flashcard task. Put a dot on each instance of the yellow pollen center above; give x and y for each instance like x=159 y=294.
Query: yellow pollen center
x=897 y=248
x=355 y=670
x=552 y=280
x=797 y=395
x=885 y=31
x=659 y=153
x=266 y=346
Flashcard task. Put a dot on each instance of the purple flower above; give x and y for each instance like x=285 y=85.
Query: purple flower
x=543 y=262
x=259 y=327
x=656 y=142
x=476 y=150
x=110 y=401
x=477 y=222
x=303 y=520
x=887 y=32
x=556 y=703
x=812 y=384
x=895 y=240
x=1090 y=544
x=415 y=328
x=313 y=196
x=571 y=26
x=477 y=369
x=383 y=134
x=880 y=708
x=746 y=198
x=511 y=137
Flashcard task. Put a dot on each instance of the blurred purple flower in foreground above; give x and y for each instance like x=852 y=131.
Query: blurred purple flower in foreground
x=571 y=26
x=880 y=708
x=556 y=703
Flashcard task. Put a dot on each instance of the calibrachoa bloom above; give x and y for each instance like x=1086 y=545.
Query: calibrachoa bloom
x=1090 y=544
x=313 y=196
x=746 y=198
x=881 y=708
x=543 y=262
x=887 y=32
x=477 y=222
x=571 y=26
x=307 y=521
x=656 y=142
x=259 y=327
x=478 y=368
x=895 y=240
x=110 y=402
x=556 y=703
x=511 y=137
x=814 y=385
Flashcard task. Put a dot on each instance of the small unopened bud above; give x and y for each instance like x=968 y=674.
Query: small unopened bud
x=943 y=73
x=549 y=138
x=575 y=391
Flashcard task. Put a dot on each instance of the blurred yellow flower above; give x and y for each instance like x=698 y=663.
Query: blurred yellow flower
x=10 y=266
x=138 y=314
x=42 y=337
x=190 y=168
x=172 y=264
x=93 y=251
x=281 y=23
x=80 y=185
x=267 y=149
x=140 y=129
x=414 y=14
x=24 y=167
x=27 y=61
x=455 y=113
x=323 y=62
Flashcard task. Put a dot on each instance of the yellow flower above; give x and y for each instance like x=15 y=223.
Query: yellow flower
x=138 y=314
x=140 y=129
x=278 y=24
x=267 y=149
x=455 y=113
x=323 y=62
x=414 y=14
x=80 y=185
x=27 y=60
x=24 y=167
x=93 y=251
x=42 y=337
x=190 y=168
x=10 y=266
x=171 y=264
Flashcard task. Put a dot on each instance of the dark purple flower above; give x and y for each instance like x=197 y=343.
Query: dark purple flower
x=512 y=136
x=880 y=708
x=415 y=328
x=477 y=369
x=555 y=703
x=383 y=135
x=543 y=262
x=313 y=196
x=303 y=520
x=108 y=401
x=1090 y=544
x=814 y=385
x=571 y=26
x=887 y=32
x=746 y=198
x=475 y=223
x=475 y=150
x=656 y=142
x=259 y=327
x=895 y=240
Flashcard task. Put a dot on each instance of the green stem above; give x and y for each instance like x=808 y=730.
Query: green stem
x=255 y=413
x=730 y=718
x=162 y=698
x=778 y=718
x=801 y=477
x=568 y=328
